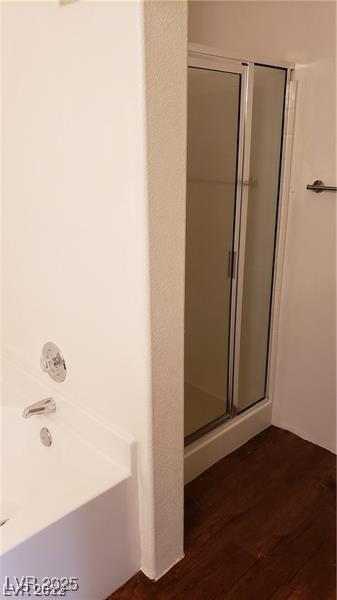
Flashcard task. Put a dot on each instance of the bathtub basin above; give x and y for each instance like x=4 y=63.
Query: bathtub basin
x=70 y=508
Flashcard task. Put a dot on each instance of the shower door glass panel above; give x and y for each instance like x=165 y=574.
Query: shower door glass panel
x=212 y=143
x=265 y=161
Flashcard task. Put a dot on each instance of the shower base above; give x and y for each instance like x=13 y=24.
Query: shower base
x=215 y=445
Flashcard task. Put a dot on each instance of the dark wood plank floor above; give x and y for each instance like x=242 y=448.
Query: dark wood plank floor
x=259 y=524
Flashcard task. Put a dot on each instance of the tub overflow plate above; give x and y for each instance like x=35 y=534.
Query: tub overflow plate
x=45 y=436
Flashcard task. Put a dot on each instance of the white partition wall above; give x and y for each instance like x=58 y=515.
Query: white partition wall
x=86 y=138
x=165 y=64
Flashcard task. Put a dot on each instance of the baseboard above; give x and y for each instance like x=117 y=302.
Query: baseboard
x=214 y=446
x=304 y=435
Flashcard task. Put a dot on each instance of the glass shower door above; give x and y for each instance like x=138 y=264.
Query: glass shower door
x=234 y=158
x=214 y=98
x=257 y=253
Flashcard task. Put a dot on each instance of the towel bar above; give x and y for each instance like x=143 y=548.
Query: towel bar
x=318 y=187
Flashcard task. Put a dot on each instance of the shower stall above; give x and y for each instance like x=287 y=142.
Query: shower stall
x=235 y=133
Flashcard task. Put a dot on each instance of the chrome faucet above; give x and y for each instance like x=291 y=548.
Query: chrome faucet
x=48 y=405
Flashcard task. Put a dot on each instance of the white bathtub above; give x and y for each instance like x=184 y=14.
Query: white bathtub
x=71 y=507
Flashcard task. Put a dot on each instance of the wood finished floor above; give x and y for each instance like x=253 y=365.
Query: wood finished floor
x=259 y=524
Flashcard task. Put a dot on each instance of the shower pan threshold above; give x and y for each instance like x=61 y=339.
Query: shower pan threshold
x=233 y=433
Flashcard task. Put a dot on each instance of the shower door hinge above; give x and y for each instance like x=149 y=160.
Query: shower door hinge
x=231 y=264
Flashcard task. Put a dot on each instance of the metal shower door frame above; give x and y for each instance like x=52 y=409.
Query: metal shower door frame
x=202 y=60
x=240 y=227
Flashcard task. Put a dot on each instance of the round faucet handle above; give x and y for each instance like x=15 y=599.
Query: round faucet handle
x=52 y=362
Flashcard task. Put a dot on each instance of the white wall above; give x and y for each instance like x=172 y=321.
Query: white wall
x=75 y=252
x=88 y=153
x=305 y=396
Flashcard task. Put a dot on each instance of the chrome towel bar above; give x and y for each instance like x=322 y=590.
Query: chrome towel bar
x=318 y=187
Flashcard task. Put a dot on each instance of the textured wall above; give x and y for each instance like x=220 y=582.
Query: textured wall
x=165 y=56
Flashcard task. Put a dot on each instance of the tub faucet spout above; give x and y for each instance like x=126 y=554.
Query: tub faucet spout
x=48 y=405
